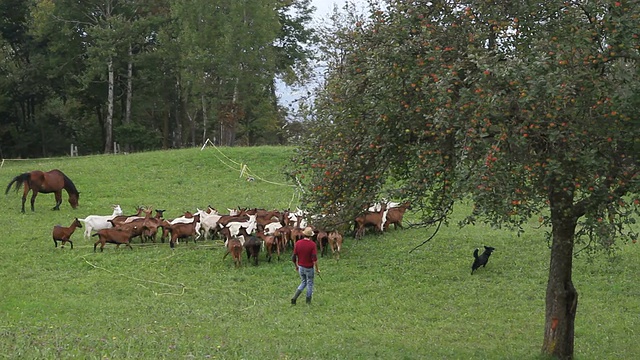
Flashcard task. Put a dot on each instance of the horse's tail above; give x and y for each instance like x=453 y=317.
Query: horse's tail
x=18 y=180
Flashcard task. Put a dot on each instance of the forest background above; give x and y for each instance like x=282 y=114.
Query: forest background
x=142 y=75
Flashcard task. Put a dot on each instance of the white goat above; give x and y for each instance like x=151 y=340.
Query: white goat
x=208 y=222
x=271 y=228
x=298 y=218
x=234 y=226
x=377 y=206
x=99 y=222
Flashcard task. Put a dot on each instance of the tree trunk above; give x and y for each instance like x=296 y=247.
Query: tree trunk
x=127 y=113
x=204 y=119
x=177 y=132
x=109 y=120
x=166 y=118
x=562 y=297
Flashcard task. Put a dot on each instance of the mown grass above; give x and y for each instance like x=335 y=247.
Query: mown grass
x=378 y=301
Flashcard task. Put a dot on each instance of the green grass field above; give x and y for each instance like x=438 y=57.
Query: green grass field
x=378 y=301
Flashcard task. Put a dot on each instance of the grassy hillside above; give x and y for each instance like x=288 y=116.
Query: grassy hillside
x=378 y=301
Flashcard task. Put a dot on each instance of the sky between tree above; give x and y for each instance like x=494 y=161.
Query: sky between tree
x=289 y=95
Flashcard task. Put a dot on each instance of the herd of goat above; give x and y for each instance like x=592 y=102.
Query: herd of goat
x=248 y=229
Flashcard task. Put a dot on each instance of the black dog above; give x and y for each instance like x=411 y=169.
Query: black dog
x=482 y=259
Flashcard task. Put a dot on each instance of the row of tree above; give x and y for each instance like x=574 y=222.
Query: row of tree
x=526 y=109
x=146 y=74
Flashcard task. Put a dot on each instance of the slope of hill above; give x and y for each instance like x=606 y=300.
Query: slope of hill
x=378 y=301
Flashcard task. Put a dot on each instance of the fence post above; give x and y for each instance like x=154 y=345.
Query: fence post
x=116 y=147
x=74 y=150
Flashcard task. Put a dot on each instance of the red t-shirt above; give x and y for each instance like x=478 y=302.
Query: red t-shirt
x=306 y=252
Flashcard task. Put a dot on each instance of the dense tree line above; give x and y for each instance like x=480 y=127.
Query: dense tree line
x=146 y=74
x=527 y=109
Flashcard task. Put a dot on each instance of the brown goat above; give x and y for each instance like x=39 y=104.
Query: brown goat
x=283 y=236
x=369 y=219
x=150 y=226
x=118 y=236
x=252 y=244
x=395 y=215
x=266 y=217
x=270 y=243
x=183 y=231
x=136 y=227
x=234 y=247
x=63 y=234
x=322 y=240
x=335 y=242
x=121 y=218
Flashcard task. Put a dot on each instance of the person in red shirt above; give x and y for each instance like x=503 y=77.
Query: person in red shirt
x=305 y=257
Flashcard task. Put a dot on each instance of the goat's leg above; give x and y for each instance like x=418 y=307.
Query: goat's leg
x=278 y=250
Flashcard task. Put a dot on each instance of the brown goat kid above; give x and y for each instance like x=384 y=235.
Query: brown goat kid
x=63 y=234
x=234 y=247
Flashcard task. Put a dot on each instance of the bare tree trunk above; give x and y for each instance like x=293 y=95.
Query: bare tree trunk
x=129 y=96
x=166 y=118
x=192 y=125
x=234 y=114
x=562 y=297
x=127 y=114
x=108 y=146
x=177 y=132
x=204 y=119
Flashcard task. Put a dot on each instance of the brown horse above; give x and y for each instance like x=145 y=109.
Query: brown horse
x=46 y=182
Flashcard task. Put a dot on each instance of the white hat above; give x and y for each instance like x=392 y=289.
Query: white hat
x=308 y=231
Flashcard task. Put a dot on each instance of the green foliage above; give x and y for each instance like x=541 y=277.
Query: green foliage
x=378 y=301
x=504 y=104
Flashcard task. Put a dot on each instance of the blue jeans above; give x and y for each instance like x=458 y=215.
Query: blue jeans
x=306 y=275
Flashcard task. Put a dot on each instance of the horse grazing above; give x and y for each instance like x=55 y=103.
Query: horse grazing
x=63 y=234
x=45 y=182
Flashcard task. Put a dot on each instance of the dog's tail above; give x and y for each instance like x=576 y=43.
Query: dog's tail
x=475 y=253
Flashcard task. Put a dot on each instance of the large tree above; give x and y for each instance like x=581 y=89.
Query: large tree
x=526 y=109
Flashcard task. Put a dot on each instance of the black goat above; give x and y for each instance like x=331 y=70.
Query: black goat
x=482 y=259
